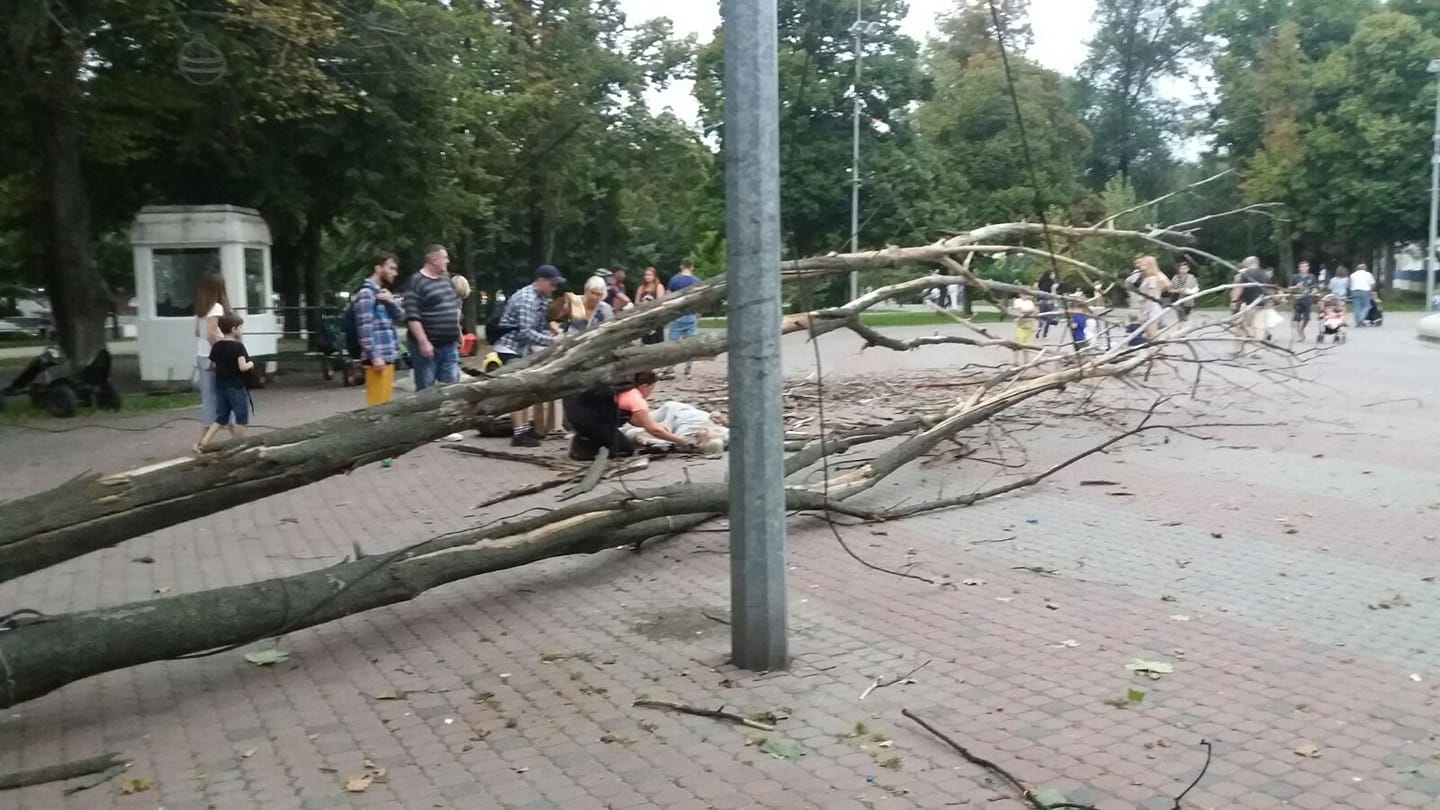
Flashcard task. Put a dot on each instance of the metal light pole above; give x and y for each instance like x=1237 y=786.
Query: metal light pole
x=752 y=232
x=859 y=30
x=1430 y=255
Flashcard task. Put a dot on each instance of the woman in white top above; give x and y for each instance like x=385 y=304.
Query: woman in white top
x=210 y=303
x=596 y=310
x=1153 y=286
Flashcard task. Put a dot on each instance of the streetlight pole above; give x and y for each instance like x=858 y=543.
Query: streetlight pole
x=1434 y=248
x=858 y=31
x=758 y=638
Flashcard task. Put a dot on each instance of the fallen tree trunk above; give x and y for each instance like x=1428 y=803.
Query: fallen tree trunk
x=41 y=653
x=98 y=511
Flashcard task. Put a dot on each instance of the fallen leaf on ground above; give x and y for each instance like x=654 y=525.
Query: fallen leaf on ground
x=163 y=589
x=1395 y=601
x=388 y=694
x=1153 y=667
x=1310 y=750
x=973 y=582
x=264 y=658
x=1179 y=618
x=1415 y=676
x=780 y=749
x=147 y=560
x=1134 y=695
x=1069 y=642
x=359 y=784
x=1052 y=606
x=134 y=785
x=1048 y=797
x=247 y=753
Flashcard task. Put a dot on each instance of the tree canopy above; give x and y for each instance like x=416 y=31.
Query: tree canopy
x=520 y=132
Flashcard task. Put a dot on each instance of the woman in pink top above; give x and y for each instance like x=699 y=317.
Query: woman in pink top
x=597 y=416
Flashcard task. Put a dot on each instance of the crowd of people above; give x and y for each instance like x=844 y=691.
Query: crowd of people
x=1156 y=301
x=528 y=321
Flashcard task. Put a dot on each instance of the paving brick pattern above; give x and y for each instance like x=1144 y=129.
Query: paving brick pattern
x=1250 y=563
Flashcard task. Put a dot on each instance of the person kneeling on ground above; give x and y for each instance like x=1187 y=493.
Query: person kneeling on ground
x=596 y=416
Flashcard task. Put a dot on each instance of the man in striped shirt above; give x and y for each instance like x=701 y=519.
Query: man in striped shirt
x=432 y=315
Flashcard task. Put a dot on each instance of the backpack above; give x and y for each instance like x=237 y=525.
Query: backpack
x=494 y=328
x=351 y=326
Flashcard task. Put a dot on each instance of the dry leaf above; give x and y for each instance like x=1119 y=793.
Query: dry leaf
x=359 y=784
x=388 y=694
x=247 y=753
x=1310 y=750
x=973 y=582
x=135 y=785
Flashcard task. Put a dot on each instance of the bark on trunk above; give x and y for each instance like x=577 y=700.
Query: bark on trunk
x=97 y=512
x=79 y=296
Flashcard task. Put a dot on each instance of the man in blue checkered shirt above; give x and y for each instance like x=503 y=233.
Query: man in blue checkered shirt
x=525 y=329
x=375 y=312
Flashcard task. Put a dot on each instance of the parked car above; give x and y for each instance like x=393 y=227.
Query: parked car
x=24 y=314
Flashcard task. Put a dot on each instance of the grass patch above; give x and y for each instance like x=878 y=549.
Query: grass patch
x=20 y=409
x=889 y=319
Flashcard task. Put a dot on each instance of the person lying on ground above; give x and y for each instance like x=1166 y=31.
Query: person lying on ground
x=699 y=429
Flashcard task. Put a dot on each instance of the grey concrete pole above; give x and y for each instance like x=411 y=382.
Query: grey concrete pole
x=752 y=230
x=1434 y=246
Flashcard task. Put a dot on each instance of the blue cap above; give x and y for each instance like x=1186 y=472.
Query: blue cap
x=550 y=272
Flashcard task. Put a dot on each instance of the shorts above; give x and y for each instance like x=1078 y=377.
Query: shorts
x=1303 y=309
x=232 y=401
x=1024 y=331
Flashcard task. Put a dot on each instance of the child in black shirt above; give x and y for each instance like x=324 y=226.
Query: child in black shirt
x=230 y=361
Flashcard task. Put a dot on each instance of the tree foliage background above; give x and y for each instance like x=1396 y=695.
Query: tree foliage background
x=517 y=132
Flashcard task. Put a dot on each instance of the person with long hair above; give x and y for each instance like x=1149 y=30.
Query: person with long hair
x=211 y=302
x=1153 y=286
x=651 y=289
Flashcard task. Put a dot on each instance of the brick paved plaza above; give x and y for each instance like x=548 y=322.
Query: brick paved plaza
x=1287 y=573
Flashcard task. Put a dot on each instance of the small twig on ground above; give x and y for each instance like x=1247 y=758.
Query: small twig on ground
x=879 y=684
x=1418 y=402
x=995 y=540
x=547 y=462
x=65 y=770
x=529 y=489
x=992 y=767
x=718 y=715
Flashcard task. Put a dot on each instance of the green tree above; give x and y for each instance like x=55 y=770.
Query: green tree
x=1137 y=45
x=1368 y=143
x=817 y=69
x=971 y=126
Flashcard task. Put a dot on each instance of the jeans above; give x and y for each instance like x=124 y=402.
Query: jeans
x=685 y=326
x=205 y=381
x=232 y=401
x=1360 y=302
x=443 y=367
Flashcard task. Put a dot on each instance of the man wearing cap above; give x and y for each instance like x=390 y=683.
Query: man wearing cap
x=526 y=330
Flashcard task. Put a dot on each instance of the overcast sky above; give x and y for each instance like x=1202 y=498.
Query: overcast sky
x=1061 y=28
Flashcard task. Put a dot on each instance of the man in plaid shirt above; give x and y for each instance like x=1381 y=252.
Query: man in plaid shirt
x=526 y=329
x=375 y=313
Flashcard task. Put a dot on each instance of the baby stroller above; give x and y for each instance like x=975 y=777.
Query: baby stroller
x=1332 y=320
x=1376 y=316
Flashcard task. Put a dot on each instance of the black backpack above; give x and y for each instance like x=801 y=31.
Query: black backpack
x=494 y=326
x=351 y=326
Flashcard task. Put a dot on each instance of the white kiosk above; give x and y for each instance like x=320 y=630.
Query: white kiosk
x=174 y=246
